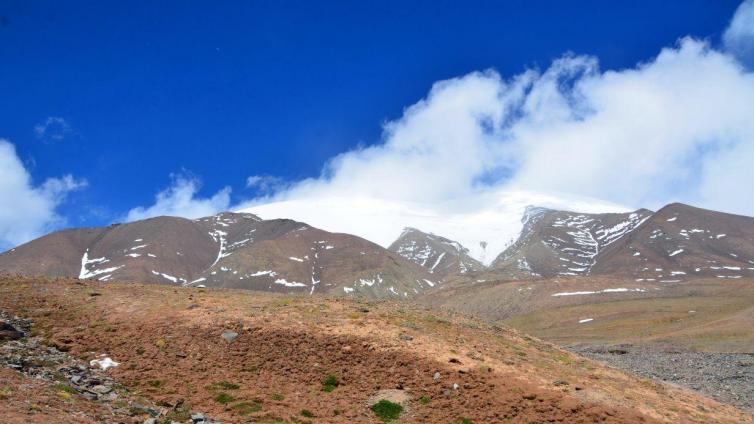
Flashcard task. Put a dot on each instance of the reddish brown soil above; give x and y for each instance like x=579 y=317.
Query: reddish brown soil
x=286 y=346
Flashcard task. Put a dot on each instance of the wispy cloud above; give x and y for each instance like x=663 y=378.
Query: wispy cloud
x=180 y=199
x=29 y=210
x=53 y=128
x=739 y=36
x=265 y=184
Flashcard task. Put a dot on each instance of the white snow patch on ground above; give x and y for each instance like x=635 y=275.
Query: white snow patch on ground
x=284 y=282
x=103 y=363
x=615 y=290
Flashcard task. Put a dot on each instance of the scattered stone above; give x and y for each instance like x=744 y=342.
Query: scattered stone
x=405 y=337
x=463 y=370
x=8 y=332
x=454 y=361
x=560 y=383
x=230 y=336
x=437 y=376
x=192 y=306
x=530 y=396
x=197 y=417
x=101 y=389
x=727 y=377
x=150 y=421
x=455 y=386
x=475 y=356
x=345 y=349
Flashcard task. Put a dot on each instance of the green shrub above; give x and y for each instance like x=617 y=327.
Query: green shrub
x=307 y=413
x=425 y=400
x=329 y=383
x=387 y=411
x=464 y=420
x=277 y=396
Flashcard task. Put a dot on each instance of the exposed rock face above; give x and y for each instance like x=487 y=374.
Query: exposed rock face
x=440 y=256
x=556 y=243
x=671 y=245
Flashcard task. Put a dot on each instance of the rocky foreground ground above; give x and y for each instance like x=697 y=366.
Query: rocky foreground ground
x=242 y=357
x=727 y=377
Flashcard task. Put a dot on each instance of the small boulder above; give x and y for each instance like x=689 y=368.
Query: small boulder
x=229 y=336
x=437 y=376
x=8 y=332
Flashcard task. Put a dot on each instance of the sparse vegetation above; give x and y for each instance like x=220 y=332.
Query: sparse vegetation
x=224 y=398
x=425 y=400
x=156 y=383
x=5 y=392
x=277 y=396
x=65 y=388
x=329 y=383
x=387 y=411
x=464 y=420
x=307 y=413
x=224 y=385
x=246 y=408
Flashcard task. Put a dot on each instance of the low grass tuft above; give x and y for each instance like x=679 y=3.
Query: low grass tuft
x=224 y=398
x=329 y=383
x=246 y=408
x=387 y=411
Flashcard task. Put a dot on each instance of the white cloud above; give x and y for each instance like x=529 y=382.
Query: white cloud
x=28 y=211
x=180 y=200
x=265 y=183
x=739 y=36
x=677 y=128
x=53 y=128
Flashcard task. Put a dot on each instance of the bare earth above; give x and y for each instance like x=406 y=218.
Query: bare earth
x=169 y=344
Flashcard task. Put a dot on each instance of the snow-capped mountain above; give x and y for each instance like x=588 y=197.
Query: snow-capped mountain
x=224 y=250
x=485 y=225
x=438 y=255
x=556 y=243
x=676 y=243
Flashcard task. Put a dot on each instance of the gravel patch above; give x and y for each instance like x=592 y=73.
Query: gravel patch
x=726 y=377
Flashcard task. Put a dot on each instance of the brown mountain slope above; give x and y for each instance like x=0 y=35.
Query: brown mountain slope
x=225 y=250
x=440 y=256
x=441 y=367
x=680 y=242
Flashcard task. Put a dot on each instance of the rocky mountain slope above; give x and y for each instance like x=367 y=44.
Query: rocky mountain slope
x=673 y=244
x=239 y=356
x=225 y=250
x=440 y=256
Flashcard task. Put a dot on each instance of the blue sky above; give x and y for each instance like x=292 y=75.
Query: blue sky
x=122 y=96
